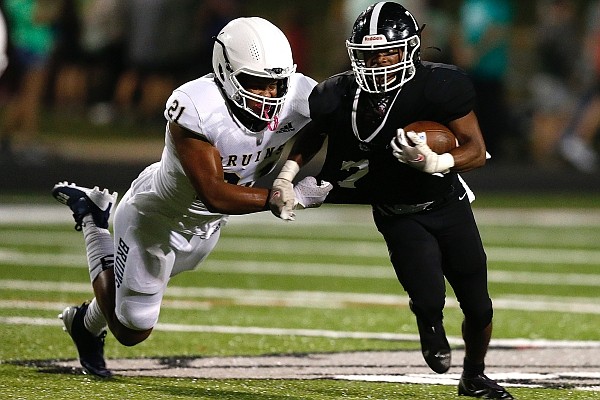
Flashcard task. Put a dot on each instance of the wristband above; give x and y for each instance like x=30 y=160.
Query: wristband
x=289 y=170
x=445 y=162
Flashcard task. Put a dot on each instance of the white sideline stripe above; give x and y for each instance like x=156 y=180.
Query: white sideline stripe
x=446 y=379
x=313 y=269
x=495 y=254
x=33 y=214
x=364 y=249
x=254 y=330
x=56 y=306
x=317 y=299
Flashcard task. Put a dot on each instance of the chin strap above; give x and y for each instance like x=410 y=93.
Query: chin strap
x=273 y=125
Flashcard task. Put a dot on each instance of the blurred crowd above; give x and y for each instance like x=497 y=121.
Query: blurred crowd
x=535 y=65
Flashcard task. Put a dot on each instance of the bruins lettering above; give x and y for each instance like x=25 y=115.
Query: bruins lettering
x=243 y=160
x=122 y=252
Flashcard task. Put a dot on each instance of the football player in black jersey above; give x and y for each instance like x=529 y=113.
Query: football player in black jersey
x=420 y=204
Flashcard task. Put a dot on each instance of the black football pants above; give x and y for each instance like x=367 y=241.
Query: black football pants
x=443 y=242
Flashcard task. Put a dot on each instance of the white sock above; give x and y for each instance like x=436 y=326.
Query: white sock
x=94 y=320
x=100 y=247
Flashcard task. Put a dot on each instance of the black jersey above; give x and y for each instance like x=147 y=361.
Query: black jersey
x=360 y=126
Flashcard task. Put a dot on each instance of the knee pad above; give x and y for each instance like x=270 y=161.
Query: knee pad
x=481 y=317
x=138 y=312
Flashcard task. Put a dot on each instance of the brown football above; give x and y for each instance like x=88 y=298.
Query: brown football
x=439 y=138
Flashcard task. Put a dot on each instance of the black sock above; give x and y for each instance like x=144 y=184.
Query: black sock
x=471 y=369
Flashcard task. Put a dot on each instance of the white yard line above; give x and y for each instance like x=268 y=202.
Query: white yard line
x=255 y=330
x=313 y=299
x=31 y=214
x=316 y=247
x=569 y=257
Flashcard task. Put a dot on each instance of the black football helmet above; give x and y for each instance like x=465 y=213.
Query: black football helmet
x=384 y=26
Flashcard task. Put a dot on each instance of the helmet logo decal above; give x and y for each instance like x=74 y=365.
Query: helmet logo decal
x=374 y=39
x=277 y=71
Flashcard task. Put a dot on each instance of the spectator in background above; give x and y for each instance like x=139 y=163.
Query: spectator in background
x=578 y=140
x=161 y=43
x=215 y=15
x=3 y=44
x=88 y=57
x=296 y=30
x=482 y=49
x=552 y=87
x=436 y=41
x=33 y=40
x=101 y=41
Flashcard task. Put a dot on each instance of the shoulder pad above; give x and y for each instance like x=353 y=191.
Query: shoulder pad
x=447 y=83
x=326 y=96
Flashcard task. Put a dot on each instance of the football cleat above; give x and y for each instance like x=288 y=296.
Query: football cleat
x=483 y=387
x=89 y=347
x=83 y=201
x=434 y=345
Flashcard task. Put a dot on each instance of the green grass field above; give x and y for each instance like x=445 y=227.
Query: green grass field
x=326 y=271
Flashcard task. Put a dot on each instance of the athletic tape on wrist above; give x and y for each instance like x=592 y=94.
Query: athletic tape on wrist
x=289 y=170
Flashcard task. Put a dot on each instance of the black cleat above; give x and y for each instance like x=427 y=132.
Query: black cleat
x=89 y=347
x=83 y=201
x=483 y=387
x=434 y=345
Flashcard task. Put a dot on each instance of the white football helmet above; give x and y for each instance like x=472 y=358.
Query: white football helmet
x=253 y=46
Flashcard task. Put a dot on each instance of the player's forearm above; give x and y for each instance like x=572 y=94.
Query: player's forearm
x=468 y=156
x=235 y=200
x=307 y=144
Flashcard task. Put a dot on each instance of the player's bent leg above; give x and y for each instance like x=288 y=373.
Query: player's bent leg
x=136 y=314
x=127 y=336
x=104 y=288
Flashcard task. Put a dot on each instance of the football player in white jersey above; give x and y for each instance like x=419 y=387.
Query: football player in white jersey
x=224 y=131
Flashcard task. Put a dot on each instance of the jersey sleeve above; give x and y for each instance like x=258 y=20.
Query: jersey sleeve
x=181 y=110
x=303 y=85
x=452 y=92
x=326 y=96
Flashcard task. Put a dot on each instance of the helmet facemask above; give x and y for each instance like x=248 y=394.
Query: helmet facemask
x=386 y=78
x=268 y=107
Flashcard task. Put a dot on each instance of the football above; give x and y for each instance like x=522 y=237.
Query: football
x=439 y=138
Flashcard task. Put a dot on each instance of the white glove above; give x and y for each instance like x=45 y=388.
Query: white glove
x=419 y=155
x=309 y=194
x=283 y=199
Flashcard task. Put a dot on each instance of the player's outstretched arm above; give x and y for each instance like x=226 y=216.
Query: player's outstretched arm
x=284 y=197
x=201 y=162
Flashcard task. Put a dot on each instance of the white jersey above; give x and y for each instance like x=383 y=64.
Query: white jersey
x=164 y=189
